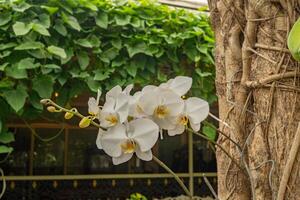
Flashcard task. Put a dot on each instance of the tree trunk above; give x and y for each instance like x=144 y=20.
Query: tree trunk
x=258 y=86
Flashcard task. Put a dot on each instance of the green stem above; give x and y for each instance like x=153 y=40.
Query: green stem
x=78 y=114
x=179 y=181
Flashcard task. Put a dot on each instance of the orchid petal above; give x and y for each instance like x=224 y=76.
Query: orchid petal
x=99 y=136
x=196 y=109
x=149 y=88
x=144 y=132
x=122 y=159
x=113 y=138
x=149 y=101
x=174 y=103
x=109 y=105
x=195 y=127
x=181 y=85
x=114 y=92
x=128 y=89
x=179 y=129
x=146 y=156
x=99 y=93
x=93 y=106
x=122 y=107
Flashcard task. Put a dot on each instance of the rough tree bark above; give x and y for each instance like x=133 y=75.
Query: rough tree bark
x=258 y=85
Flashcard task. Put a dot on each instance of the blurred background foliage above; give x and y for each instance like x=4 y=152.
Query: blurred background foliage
x=78 y=46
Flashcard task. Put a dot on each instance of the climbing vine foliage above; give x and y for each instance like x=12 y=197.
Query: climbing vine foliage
x=77 y=46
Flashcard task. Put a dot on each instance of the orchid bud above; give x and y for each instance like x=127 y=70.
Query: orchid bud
x=51 y=109
x=69 y=115
x=85 y=122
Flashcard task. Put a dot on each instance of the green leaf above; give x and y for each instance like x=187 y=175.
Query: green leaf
x=84 y=42
x=21 y=29
x=109 y=54
x=210 y=132
x=72 y=21
x=117 y=43
x=7 y=45
x=14 y=72
x=102 y=20
x=21 y=7
x=57 y=51
x=6 y=83
x=30 y=45
x=140 y=47
x=35 y=100
x=60 y=28
x=1 y=125
x=3 y=66
x=28 y=63
x=7 y=137
x=132 y=70
x=5 y=17
x=294 y=40
x=51 y=10
x=43 y=85
x=52 y=66
x=45 y=20
x=83 y=59
x=100 y=75
x=122 y=20
x=5 y=149
x=16 y=98
x=40 y=29
x=92 y=84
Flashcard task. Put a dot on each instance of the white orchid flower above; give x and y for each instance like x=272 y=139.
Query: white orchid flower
x=114 y=111
x=135 y=109
x=195 y=111
x=179 y=85
x=121 y=141
x=93 y=104
x=162 y=106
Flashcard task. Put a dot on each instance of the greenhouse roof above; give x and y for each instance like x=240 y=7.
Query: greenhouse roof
x=191 y=4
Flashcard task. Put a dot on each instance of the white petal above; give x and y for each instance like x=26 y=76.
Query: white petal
x=93 y=105
x=174 y=102
x=149 y=88
x=98 y=140
x=146 y=156
x=181 y=85
x=121 y=159
x=149 y=101
x=122 y=107
x=98 y=96
x=109 y=105
x=103 y=116
x=128 y=89
x=195 y=127
x=114 y=92
x=113 y=138
x=196 y=109
x=144 y=132
x=178 y=130
x=166 y=123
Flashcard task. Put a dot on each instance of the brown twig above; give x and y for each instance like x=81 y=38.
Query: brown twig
x=271 y=78
x=289 y=165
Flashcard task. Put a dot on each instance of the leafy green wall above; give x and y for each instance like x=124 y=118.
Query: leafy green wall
x=76 y=46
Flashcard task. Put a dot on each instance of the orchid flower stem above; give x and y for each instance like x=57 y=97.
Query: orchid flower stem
x=219 y=146
x=179 y=181
x=49 y=102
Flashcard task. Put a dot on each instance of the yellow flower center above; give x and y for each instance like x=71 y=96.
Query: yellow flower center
x=161 y=112
x=128 y=146
x=183 y=120
x=112 y=119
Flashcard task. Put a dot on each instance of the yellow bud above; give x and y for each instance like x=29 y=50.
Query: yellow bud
x=85 y=122
x=68 y=115
x=51 y=109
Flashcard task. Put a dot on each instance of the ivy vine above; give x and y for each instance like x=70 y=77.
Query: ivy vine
x=76 y=46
